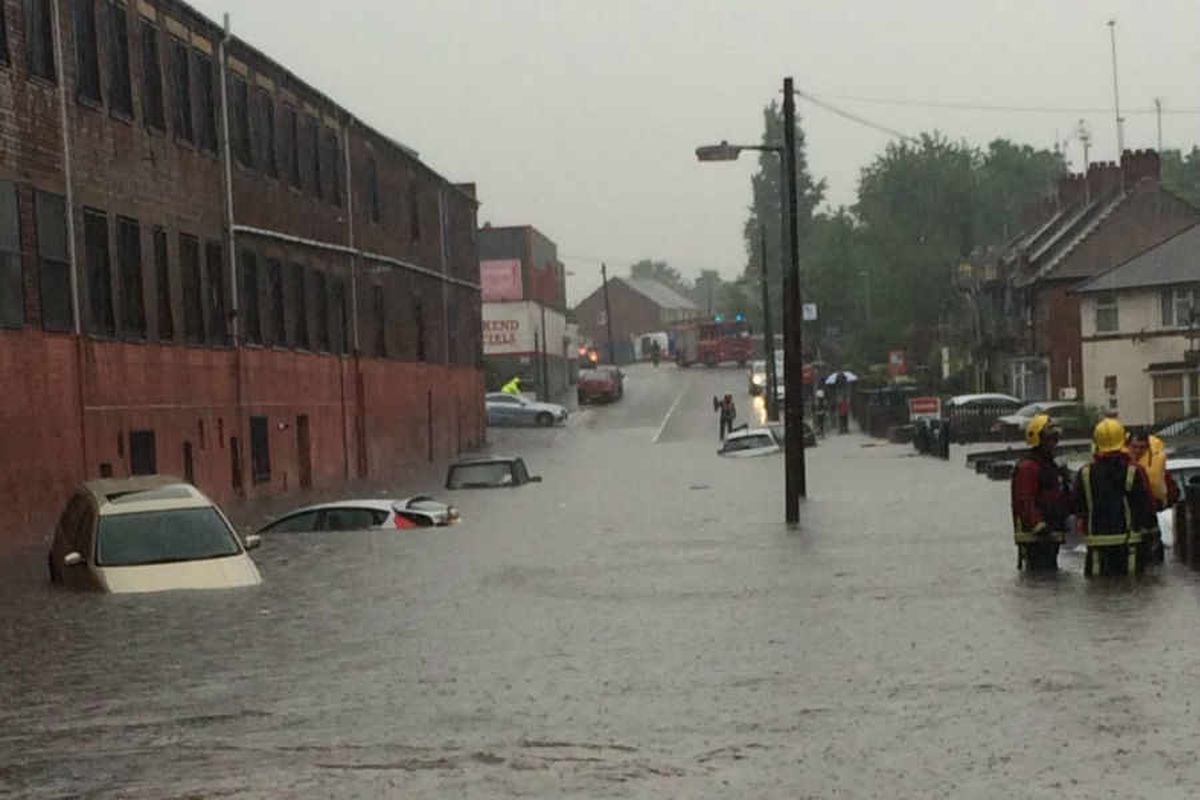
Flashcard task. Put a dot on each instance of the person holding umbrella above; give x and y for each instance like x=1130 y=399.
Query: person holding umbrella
x=842 y=379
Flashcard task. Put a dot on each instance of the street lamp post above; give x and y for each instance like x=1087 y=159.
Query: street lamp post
x=793 y=342
x=729 y=152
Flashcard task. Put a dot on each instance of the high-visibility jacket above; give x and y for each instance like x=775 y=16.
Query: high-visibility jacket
x=1041 y=500
x=512 y=387
x=1154 y=461
x=1114 y=500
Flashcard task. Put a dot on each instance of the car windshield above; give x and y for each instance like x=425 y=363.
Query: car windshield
x=748 y=443
x=1030 y=410
x=159 y=537
x=467 y=476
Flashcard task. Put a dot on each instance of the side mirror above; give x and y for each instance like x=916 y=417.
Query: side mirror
x=72 y=559
x=252 y=542
x=535 y=478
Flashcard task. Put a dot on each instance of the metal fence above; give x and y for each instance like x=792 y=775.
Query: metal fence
x=974 y=423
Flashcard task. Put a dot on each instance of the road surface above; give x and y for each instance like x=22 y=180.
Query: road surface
x=640 y=625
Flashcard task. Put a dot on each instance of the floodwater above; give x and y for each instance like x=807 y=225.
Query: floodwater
x=640 y=625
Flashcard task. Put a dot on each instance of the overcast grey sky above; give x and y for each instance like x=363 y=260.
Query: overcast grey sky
x=580 y=116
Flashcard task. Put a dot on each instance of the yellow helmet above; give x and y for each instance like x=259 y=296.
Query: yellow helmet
x=1041 y=425
x=1109 y=436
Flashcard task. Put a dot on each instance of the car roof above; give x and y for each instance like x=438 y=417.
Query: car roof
x=1183 y=463
x=143 y=493
x=485 y=460
x=748 y=433
x=967 y=398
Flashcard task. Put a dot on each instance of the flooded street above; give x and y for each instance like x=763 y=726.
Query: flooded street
x=639 y=625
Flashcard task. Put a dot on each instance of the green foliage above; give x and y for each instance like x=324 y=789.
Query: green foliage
x=659 y=271
x=1181 y=173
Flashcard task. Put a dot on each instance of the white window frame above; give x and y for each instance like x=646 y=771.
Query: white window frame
x=1108 y=301
x=1170 y=301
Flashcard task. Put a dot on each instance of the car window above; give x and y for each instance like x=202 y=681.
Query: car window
x=296 y=523
x=747 y=443
x=1183 y=477
x=502 y=399
x=490 y=473
x=352 y=519
x=158 y=537
x=520 y=472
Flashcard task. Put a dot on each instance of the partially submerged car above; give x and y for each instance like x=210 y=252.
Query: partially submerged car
x=489 y=472
x=513 y=409
x=748 y=442
x=148 y=534
x=366 y=514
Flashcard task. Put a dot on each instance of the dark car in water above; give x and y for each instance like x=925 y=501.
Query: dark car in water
x=489 y=472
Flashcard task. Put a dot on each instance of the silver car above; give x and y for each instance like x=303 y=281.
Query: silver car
x=513 y=409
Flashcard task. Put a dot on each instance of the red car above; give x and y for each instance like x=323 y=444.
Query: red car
x=601 y=383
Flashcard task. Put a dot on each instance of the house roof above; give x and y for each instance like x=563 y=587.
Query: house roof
x=1061 y=235
x=1170 y=262
x=660 y=294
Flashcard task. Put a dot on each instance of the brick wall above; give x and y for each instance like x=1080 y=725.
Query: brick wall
x=73 y=402
x=632 y=313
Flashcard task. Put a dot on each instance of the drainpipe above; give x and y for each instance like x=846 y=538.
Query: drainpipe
x=353 y=320
x=227 y=159
x=72 y=254
x=360 y=407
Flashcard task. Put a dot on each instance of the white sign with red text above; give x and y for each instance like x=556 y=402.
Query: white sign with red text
x=516 y=329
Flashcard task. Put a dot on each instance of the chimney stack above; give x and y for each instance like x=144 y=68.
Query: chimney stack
x=1104 y=179
x=1072 y=189
x=1138 y=165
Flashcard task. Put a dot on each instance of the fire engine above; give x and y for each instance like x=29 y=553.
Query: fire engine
x=713 y=342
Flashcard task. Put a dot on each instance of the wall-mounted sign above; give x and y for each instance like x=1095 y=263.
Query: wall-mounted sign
x=500 y=279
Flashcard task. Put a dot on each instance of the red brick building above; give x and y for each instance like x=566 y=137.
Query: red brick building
x=1095 y=222
x=209 y=268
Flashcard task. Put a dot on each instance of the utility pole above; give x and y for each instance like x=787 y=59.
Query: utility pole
x=768 y=330
x=1112 y=35
x=795 y=482
x=612 y=355
x=1158 y=121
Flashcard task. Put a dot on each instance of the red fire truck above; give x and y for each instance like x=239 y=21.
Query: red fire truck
x=713 y=343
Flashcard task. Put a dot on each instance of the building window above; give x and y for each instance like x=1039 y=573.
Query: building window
x=1177 y=305
x=250 y=315
x=206 y=117
x=337 y=301
x=419 y=318
x=143 y=455
x=1176 y=395
x=414 y=211
x=181 y=95
x=310 y=155
x=162 y=283
x=193 y=300
x=379 y=309
x=99 y=273
x=239 y=121
x=152 y=88
x=120 y=91
x=288 y=147
x=1107 y=320
x=299 y=307
x=275 y=289
x=39 y=37
x=12 y=284
x=321 y=310
x=54 y=265
x=214 y=263
x=260 y=450
x=373 y=201
x=332 y=190
x=87 y=57
x=264 y=133
x=3 y=36
x=129 y=266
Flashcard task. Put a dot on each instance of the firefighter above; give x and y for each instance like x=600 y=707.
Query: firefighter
x=1115 y=505
x=1150 y=453
x=513 y=386
x=1041 y=499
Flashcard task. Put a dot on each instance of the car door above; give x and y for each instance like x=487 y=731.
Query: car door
x=500 y=409
x=350 y=518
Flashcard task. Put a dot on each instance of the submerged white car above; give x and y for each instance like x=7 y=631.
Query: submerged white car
x=1183 y=470
x=752 y=442
x=361 y=515
x=148 y=534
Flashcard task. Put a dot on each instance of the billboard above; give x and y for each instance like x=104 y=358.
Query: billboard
x=501 y=279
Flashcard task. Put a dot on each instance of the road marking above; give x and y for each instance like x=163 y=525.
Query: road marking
x=667 y=418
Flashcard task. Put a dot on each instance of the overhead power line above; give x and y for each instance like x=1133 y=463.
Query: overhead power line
x=1011 y=109
x=855 y=117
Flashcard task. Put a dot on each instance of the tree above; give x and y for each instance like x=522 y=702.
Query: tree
x=1181 y=173
x=659 y=271
x=766 y=211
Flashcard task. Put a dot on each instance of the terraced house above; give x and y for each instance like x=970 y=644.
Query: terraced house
x=209 y=268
